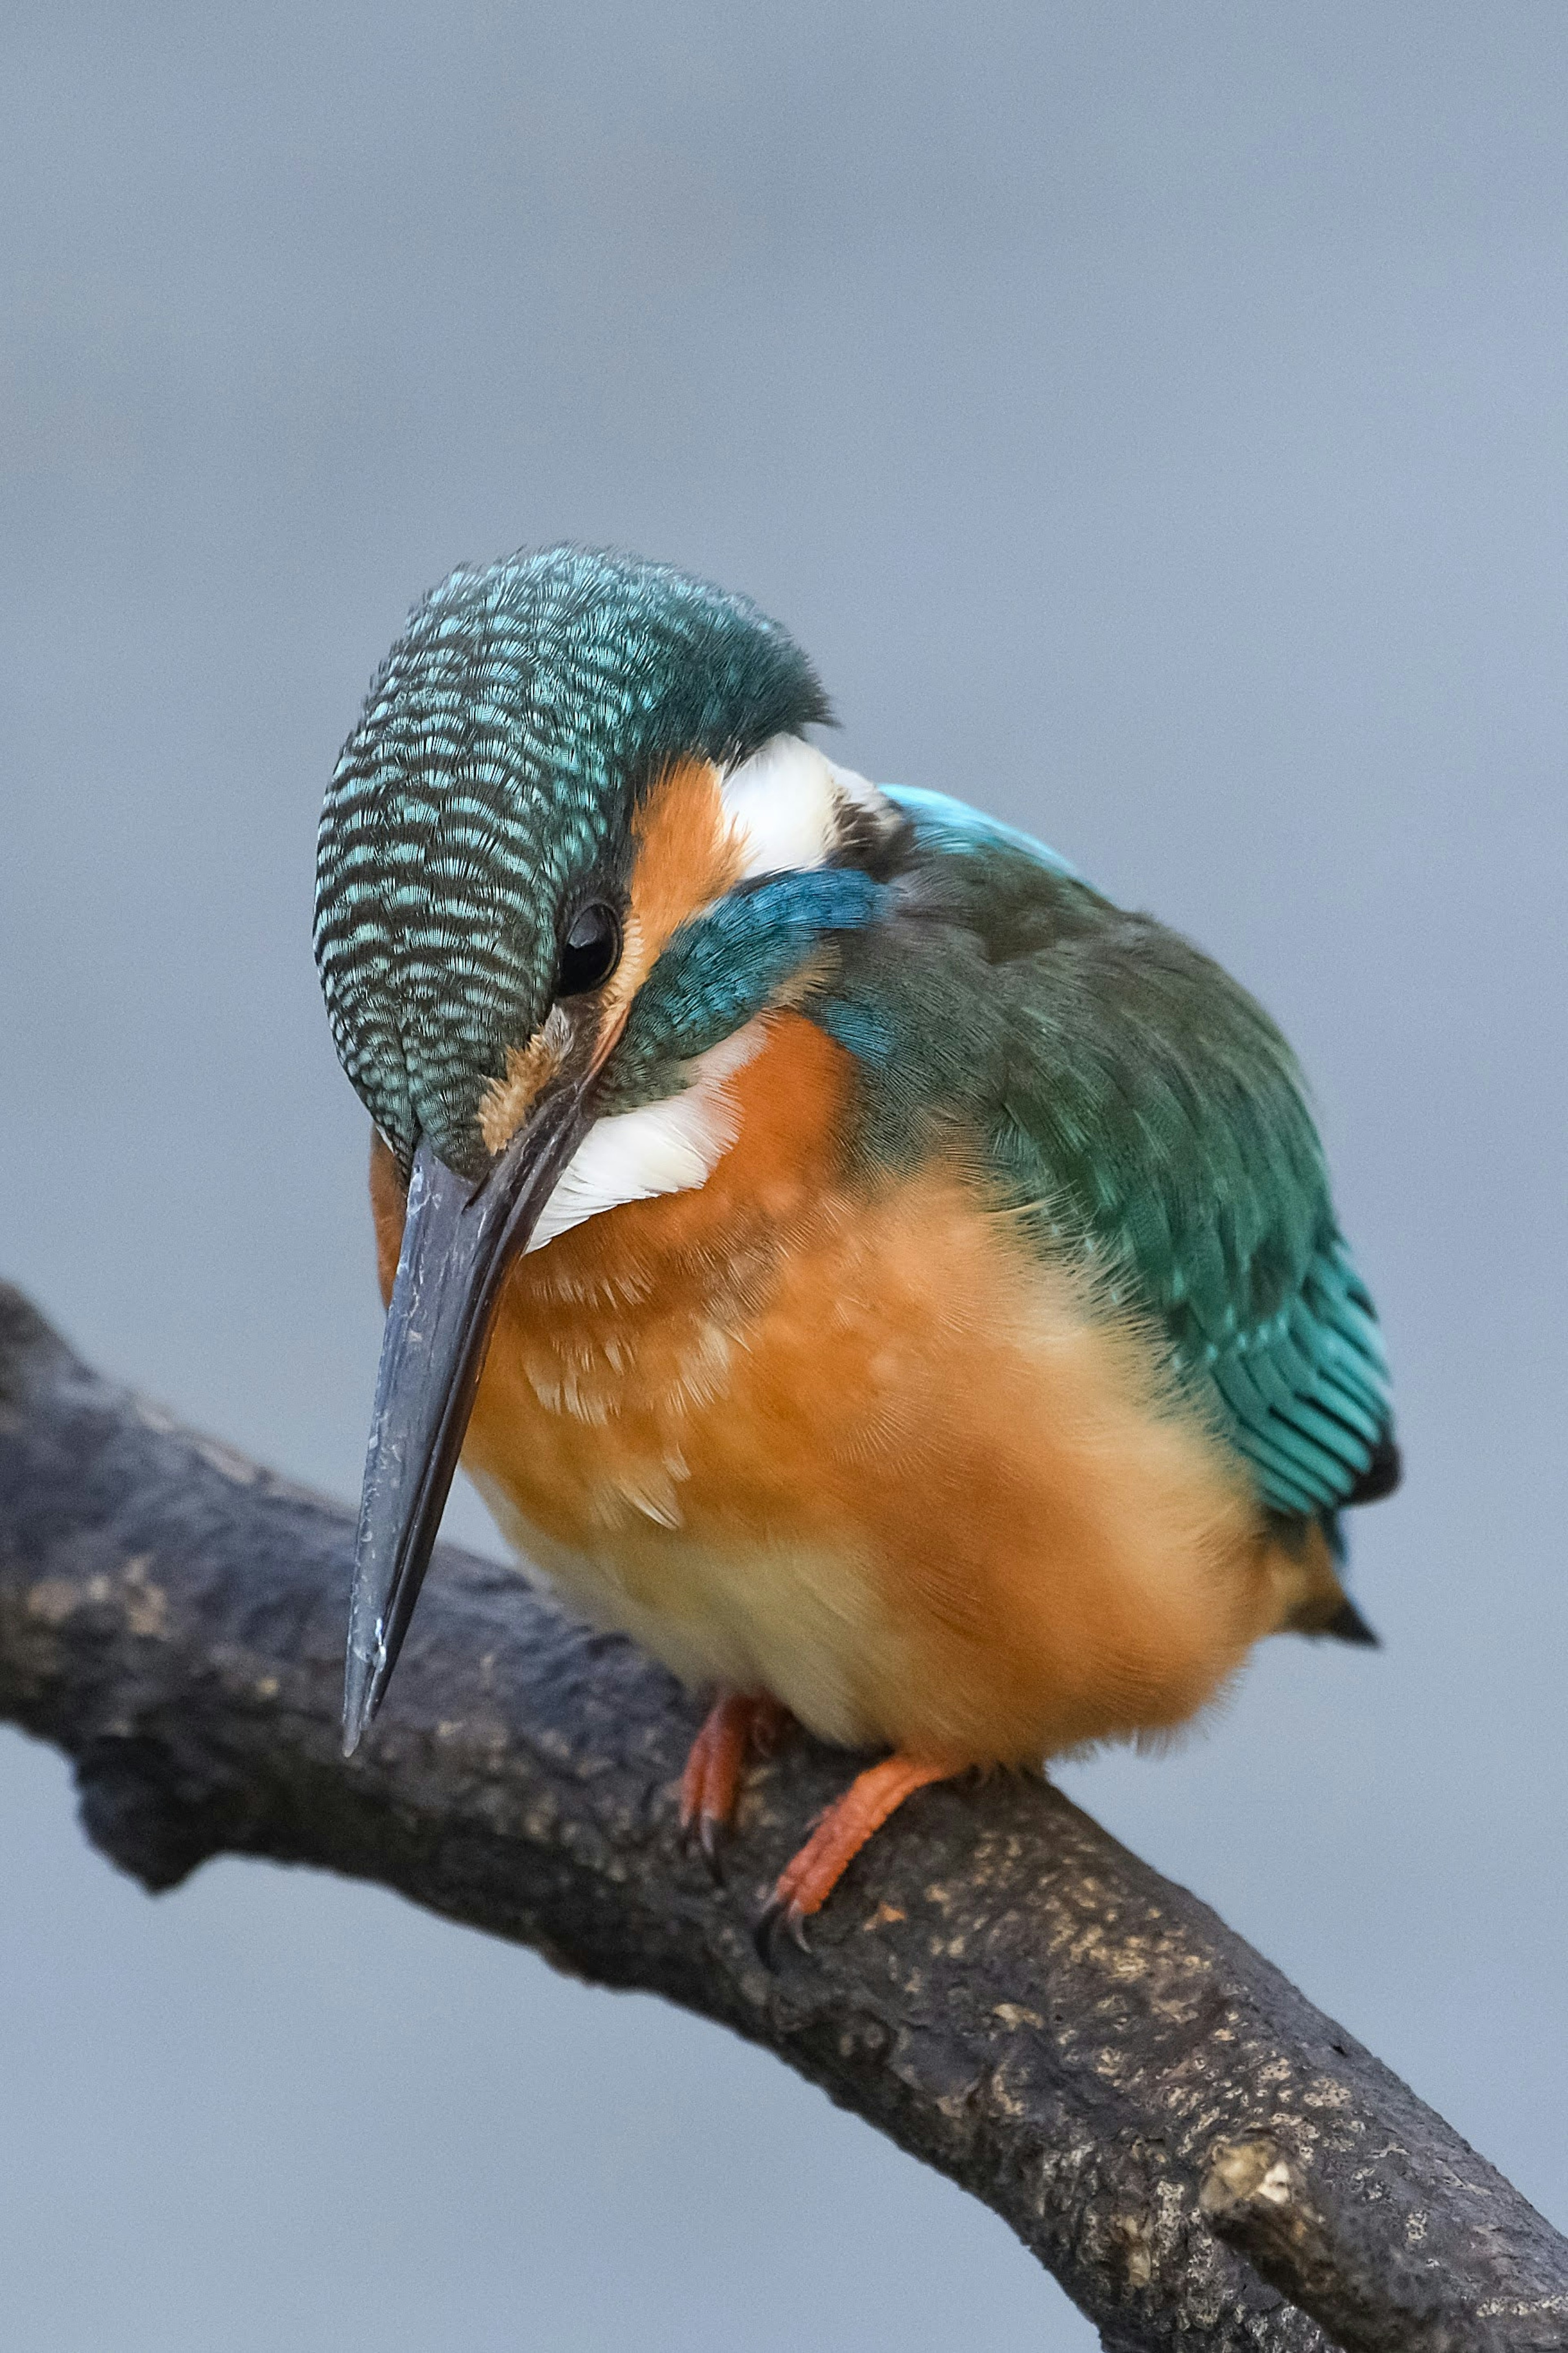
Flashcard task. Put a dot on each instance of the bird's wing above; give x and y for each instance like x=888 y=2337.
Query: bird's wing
x=1148 y=1115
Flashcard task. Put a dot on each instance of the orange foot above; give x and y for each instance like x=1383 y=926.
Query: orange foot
x=735 y=1725
x=806 y=1884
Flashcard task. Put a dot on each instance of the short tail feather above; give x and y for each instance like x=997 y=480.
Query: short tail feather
x=1316 y=1601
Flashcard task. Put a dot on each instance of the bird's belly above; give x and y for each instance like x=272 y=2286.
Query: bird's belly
x=780 y=1620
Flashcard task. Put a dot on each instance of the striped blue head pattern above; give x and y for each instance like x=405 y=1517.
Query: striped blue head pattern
x=487 y=797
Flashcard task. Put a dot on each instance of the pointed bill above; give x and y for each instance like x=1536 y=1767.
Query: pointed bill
x=458 y=1239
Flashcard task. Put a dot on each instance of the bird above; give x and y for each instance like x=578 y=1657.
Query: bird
x=895 y=1285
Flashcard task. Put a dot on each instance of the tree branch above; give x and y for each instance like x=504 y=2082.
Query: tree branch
x=1196 y=2153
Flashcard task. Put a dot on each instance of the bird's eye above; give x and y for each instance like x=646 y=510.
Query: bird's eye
x=591 y=950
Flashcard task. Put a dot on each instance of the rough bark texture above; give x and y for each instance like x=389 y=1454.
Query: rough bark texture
x=1200 y=2157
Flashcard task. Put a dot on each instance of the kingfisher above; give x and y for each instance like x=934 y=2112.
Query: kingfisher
x=894 y=1284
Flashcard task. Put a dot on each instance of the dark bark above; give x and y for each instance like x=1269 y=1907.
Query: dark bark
x=1199 y=2156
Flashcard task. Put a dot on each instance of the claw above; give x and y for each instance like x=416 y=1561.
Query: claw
x=763 y=1928
x=777 y=1919
x=807 y=1881
x=707 y=1827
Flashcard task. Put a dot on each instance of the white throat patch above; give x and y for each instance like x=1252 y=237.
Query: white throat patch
x=661 y=1147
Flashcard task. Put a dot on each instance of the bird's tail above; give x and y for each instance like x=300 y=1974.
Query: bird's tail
x=1308 y=1565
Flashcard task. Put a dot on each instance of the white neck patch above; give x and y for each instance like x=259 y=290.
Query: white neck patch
x=787 y=803
x=661 y=1147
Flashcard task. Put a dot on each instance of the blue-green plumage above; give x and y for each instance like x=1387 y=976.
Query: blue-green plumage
x=1113 y=1084
x=1112 y=1088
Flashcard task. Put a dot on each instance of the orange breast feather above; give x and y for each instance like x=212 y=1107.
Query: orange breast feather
x=855 y=1446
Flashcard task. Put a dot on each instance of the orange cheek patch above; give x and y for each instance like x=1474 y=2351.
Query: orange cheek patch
x=685 y=853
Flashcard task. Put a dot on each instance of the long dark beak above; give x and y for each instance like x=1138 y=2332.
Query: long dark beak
x=458 y=1239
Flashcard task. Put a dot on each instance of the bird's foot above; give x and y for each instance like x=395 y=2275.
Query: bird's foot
x=806 y=1884
x=739 y=1724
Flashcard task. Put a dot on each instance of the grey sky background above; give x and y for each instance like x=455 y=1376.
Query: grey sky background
x=1154 y=420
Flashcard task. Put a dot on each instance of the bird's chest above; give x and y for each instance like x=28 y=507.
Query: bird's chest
x=653 y=1399
x=632 y=1381
x=641 y=1437
x=615 y=1375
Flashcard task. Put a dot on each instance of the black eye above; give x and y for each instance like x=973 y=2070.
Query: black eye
x=591 y=950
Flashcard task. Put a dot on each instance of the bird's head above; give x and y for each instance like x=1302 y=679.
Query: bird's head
x=576 y=844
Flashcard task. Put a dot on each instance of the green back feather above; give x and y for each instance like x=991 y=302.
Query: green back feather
x=1144 y=1115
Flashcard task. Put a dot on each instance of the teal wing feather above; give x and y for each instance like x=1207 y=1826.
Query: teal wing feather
x=1146 y=1114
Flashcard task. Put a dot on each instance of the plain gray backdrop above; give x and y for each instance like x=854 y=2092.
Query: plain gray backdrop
x=1154 y=420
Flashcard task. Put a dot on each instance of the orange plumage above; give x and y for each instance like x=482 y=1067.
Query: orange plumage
x=859 y=1448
